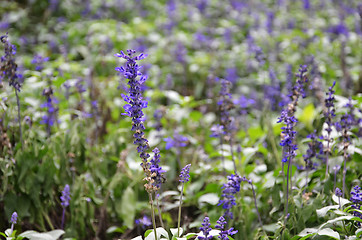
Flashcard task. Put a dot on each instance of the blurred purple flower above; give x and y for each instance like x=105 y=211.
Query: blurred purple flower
x=288 y=136
x=65 y=198
x=8 y=67
x=14 y=218
x=185 y=174
x=228 y=194
x=177 y=141
x=143 y=222
x=39 y=61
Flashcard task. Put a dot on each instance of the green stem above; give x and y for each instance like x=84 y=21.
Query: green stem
x=19 y=120
x=287 y=191
x=232 y=154
x=153 y=215
x=179 y=211
x=159 y=212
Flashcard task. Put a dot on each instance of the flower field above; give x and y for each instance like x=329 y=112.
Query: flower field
x=177 y=120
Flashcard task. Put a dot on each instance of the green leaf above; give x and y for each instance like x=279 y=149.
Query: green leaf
x=190 y=235
x=308 y=232
x=127 y=208
x=329 y=232
x=359 y=232
x=308 y=114
x=210 y=198
x=159 y=232
x=340 y=219
x=174 y=231
x=323 y=211
x=342 y=200
x=271 y=227
x=52 y=235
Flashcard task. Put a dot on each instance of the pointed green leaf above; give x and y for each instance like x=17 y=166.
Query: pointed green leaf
x=330 y=233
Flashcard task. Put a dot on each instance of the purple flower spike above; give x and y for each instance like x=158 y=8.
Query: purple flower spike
x=224 y=234
x=185 y=174
x=143 y=222
x=134 y=99
x=14 y=218
x=39 y=61
x=217 y=130
x=65 y=198
x=206 y=229
x=288 y=135
x=156 y=170
x=177 y=141
x=228 y=194
x=356 y=198
x=8 y=67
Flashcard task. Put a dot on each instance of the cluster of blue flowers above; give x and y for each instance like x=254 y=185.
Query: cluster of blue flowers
x=39 y=61
x=288 y=135
x=206 y=229
x=143 y=222
x=315 y=150
x=13 y=220
x=177 y=141
x=224 y=233
x=65 y=198
x=135 y=100
x=228 y=194
x=185 y=174
x=51 y=115
x=329 y=114
x=356 y=198
x=156 y=169
x=8 y=67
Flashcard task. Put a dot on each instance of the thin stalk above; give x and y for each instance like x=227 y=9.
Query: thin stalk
x=256 y=206
x=344 y=175
x=222 y=154
x=179 y=211
x=63 y=219
x=287 y=192
x=159 y=212
x=273 y=143
x=232 y=154
x=153 y=215
x=306 y=180
x=19 y=119
x=327 y=155
x=334 y=180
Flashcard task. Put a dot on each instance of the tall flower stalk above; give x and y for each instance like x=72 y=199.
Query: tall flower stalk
x=133 y=109
x=228 y=194
x=225 y=104
x=13 y=221
x=50 y=118
x=184 y=178
x=315 y=150
x=288 y=133
x=9 y=71
x=343 y=126
x=65 y=198
x=329 y=115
